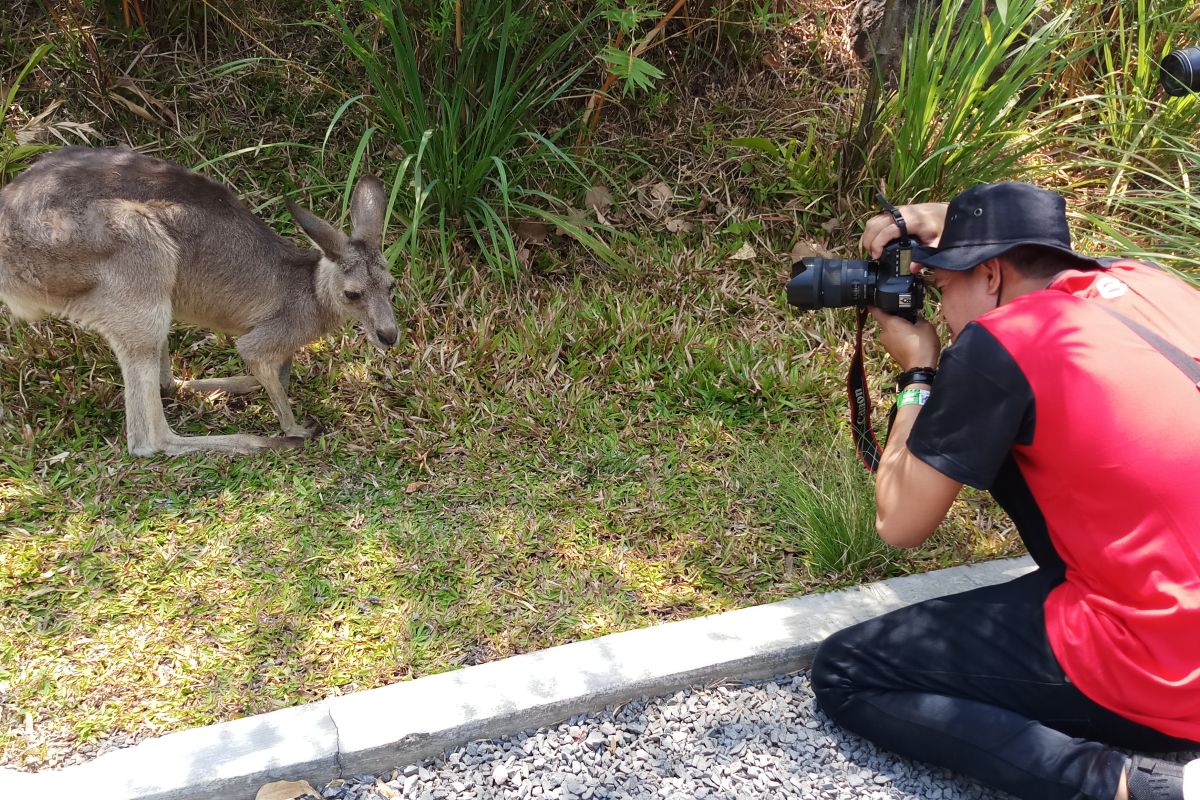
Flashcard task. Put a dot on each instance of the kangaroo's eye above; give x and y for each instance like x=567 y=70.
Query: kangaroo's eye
x=353 y=296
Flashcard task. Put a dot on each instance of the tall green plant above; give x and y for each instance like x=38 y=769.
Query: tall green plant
x=1157 y=221
x=459 y=86
x=1129 y=118
x=1134 y=152
x=963 y=110
x=13 y=153
x=823 y=505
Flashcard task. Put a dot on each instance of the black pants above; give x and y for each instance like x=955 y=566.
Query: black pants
x=968 y=682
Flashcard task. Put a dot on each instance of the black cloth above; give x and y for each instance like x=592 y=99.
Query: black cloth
x=987 y=700
x=982 y=407
x=970 y=682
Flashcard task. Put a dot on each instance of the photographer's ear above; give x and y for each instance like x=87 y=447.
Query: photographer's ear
x=992 y=273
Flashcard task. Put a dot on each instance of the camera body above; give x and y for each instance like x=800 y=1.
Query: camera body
x=885 y=283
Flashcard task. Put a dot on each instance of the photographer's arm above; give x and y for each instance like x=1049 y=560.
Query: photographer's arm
x=911 y=497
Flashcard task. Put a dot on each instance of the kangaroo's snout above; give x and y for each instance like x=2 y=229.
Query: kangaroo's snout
x=387 y=336
x=377 y=320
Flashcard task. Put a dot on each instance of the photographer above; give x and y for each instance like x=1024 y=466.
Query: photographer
x=1087 y=434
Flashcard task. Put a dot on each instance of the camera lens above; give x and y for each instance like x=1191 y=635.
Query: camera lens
x=831 y=283
x=1180 y=72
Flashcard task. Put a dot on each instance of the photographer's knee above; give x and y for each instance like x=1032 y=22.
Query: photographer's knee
x=832 y=673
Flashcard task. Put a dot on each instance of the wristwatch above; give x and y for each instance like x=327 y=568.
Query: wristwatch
x=915 y=375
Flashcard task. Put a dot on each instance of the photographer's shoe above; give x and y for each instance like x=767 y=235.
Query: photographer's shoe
x=1155 y=779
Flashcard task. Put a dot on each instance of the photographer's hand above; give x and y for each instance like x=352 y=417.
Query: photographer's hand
x=911 y=344
x=923 y=220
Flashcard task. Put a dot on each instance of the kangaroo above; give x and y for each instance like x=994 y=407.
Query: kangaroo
x=122 y=243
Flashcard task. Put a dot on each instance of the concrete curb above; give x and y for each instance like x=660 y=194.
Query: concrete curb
x=375 y=730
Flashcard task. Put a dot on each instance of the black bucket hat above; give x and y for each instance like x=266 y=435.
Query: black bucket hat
x=989 y=220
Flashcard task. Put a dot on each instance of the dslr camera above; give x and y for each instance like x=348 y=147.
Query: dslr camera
x=886 y=284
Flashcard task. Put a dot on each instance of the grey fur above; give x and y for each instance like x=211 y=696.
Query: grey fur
x=122 y=243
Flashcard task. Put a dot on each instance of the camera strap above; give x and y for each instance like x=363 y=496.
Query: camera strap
x=860 y=402
x=856 y=381
x=1184 y=362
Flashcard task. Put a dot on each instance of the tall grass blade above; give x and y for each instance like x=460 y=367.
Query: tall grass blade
x=969 y=84
x=466 y=113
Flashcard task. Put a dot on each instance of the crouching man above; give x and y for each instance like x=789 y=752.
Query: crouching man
x=1084 y=425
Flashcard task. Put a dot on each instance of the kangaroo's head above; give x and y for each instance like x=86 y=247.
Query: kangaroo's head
x=353 y=279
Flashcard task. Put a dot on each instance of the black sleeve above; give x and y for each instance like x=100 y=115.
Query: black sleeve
x=980 y=406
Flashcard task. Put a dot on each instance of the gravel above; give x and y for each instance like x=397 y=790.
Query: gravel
x=64 y=750
x=741 y=742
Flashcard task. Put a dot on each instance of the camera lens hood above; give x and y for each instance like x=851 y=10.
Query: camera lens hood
x=1179 y=72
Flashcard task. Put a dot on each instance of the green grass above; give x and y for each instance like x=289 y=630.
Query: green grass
x=458 y=87
x=13 y=154
x=826 y=507
x=531 y=467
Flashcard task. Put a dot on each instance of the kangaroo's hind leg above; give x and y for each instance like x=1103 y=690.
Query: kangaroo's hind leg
x=137 y=333
x=138 y=337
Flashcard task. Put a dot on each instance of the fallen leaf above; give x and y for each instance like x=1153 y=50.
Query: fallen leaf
x=164 y=114
x=744 y=253
x=805 y=249
x=135 y=108
x=662 y=193
x=599 y=198
x=524 y=257
x=417 y=486
x=536 y=232
x=287 y=790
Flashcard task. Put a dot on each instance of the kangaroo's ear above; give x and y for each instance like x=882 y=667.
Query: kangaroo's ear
x=367 y=207
x=331 y=241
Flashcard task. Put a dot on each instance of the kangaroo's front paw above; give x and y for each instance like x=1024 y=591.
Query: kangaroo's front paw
x=312 y=429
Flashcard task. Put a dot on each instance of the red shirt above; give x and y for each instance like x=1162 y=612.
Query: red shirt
x=1105 y=433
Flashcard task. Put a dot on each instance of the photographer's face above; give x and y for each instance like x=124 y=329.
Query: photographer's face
x=966 y=294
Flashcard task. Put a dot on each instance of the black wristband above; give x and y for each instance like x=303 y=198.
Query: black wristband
x=915 y=375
